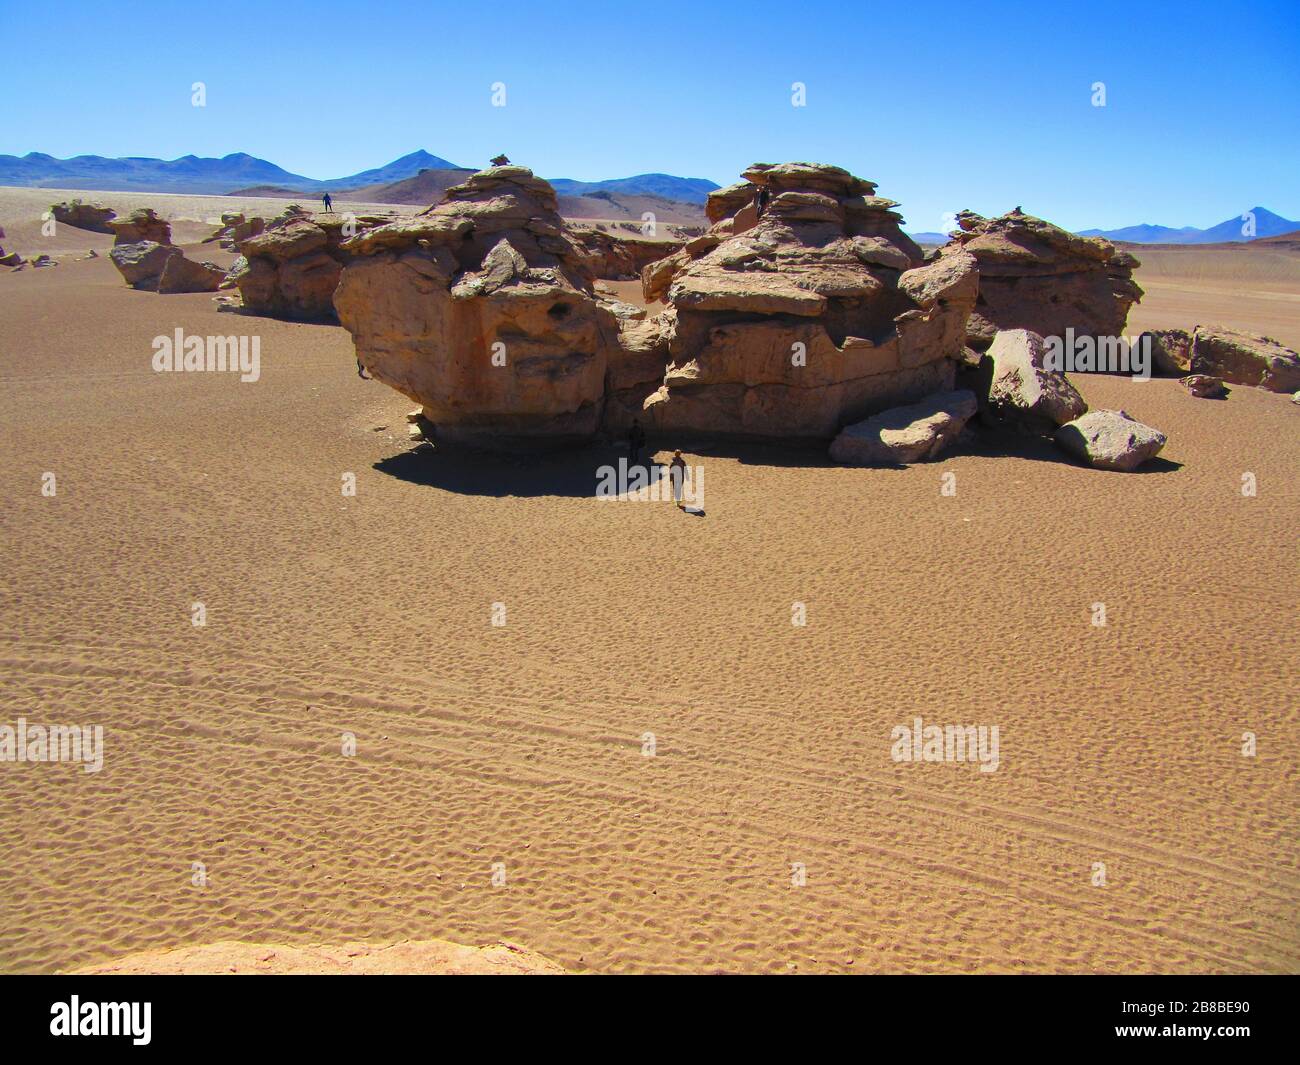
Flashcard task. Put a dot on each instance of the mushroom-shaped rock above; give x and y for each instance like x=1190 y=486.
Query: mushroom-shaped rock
x=482 y=309
x=1110 y=440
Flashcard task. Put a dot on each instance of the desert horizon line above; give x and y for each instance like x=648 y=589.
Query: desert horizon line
x=367 y=173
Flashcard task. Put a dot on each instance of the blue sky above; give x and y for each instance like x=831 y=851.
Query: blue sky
x=946 y=105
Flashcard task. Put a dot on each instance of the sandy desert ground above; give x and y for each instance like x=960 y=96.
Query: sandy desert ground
x=523 y=744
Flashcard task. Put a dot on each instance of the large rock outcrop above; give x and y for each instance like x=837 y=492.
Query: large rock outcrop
x=141 y=225
x=92 y=216
x=1228 y=354
x=814 y=313
x=141 y=263
x=482 y=309
x=615 y=258
x=291 y=268
x=1037 y=276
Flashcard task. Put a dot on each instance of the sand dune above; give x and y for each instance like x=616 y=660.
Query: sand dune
x=515 y=753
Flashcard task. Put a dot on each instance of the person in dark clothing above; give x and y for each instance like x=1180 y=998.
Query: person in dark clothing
x=635 y=442
x=677 y=474
x=760 y=199
x=329 y=203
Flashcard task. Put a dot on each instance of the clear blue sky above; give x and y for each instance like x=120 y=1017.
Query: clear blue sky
x=946 y=105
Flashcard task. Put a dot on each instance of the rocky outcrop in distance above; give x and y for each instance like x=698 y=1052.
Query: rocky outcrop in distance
x=92 y=216
x=1228 y=354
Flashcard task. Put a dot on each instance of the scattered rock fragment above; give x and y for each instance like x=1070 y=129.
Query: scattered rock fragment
x=1110 y=440
x=913 y=433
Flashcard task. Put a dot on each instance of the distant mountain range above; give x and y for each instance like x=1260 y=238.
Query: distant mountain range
x=1267 y=224
x=198 y=176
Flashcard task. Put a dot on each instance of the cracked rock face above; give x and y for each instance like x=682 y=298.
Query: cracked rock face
x=1037 y=276
x=802 y=310
x=482 y=309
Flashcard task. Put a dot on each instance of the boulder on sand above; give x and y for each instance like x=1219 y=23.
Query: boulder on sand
x=1020 y=392
x=184 y=275
x=1245 y=359
x=906 y=434
x=1037 y=276
x=141 y=264
x=1229 y=354
x=92 y=216
x=1202 y=386
x=141 y=225
x=1110 y=440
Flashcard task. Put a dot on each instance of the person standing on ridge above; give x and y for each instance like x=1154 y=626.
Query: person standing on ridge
x=329 y=203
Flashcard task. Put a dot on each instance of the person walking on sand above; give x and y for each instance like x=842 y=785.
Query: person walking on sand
x=329 y=203
x=677 y=474
x=635 y=442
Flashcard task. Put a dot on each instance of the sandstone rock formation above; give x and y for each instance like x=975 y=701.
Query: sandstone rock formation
x=141 y=263
x=291 y=268
x=1037 y=276
x=1020 y=393
x=913 y=433
x=92 y=216
x=814 y=314
x=1229 y=354
x=141 y=225
x=234 y=228
x=1110 y=440
x=616 y=258
x=180 y=274
x=482 y=310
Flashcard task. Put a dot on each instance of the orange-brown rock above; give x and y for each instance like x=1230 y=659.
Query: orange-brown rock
x=482 y=309
x=819 y=314
x=1037 y=276
x=140 y=225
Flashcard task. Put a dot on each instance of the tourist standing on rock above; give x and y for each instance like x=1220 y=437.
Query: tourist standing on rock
x=329 y=203
x=635 y=442
x=760 y=199
x=677 y=474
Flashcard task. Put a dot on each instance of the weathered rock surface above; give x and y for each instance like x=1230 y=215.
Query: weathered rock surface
x=1037 y=276
x=1110 y=440
x=141 y=264
x=180 y=274
x=482 y=309
x=912 y=433
x=141 y=225
x=814 y=314
x=1245 y=359
x=1020 y=392
x=1229 y=354
x=92 y=216
x=1203 y=386
x=1171 y=350
x=291 y=268
x=616 y=258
